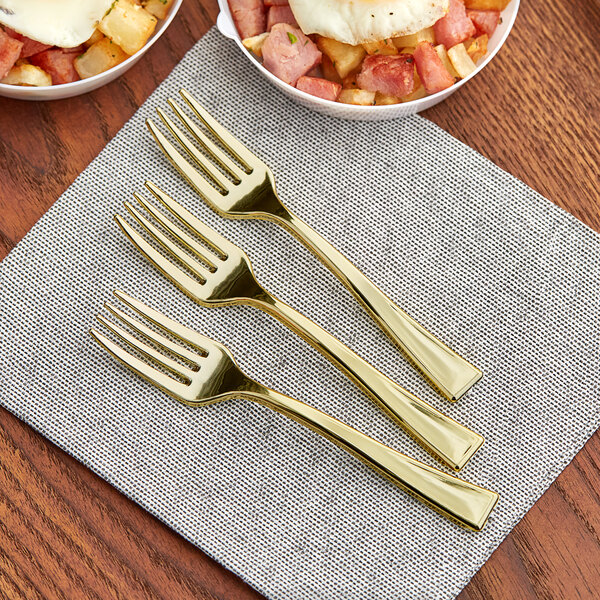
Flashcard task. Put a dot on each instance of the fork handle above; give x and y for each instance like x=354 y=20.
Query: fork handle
x=463 y=502
x=451 y=374
x=446 y=439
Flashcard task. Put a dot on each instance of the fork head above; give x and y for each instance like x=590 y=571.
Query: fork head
x=214 y=273
x=187 y=365
x=230 y=178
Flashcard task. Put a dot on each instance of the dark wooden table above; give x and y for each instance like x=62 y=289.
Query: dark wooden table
x=65 y=533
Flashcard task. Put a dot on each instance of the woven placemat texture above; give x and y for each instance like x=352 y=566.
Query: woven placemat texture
x=498 y=272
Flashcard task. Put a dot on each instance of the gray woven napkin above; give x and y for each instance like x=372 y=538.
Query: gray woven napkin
x=502 y=275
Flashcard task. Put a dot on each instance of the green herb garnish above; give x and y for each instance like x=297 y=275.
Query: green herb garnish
x=293 y=39
x=110 y=9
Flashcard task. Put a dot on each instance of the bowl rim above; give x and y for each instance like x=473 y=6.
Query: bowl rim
x=224 y=6
x=94 y=78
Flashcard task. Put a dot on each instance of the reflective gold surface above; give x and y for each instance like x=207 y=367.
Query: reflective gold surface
x=252 y=195
x=204 y=372
x=223 y=276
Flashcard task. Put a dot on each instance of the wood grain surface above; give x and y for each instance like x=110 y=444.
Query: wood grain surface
x=65 y=533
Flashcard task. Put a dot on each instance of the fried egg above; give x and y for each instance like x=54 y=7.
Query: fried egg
x=64 y=23
x=359 y=21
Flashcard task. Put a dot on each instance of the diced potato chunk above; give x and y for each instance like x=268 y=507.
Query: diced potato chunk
x=425 y=35
x=487 y=4
x=360 y=97
x=329 y=71
x=408 y=50
x=158 y=8
x=345 y=58
x=418 y=91
x=478 y=47
x=29 y=75
x=383 y=99
x=95 y=37
x=467 y=42
x=255 y=43
x=99 y=57
x=461 y=61
x=441 y=52
x=415 y=95
x=384 y=47
x=128 y=25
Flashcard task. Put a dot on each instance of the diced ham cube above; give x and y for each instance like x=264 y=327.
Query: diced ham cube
x=30 y=47
x=277 y=3
x=455 y=27
x=392 y=75
x=280 y=14
x=289 y=54
x=328 y=90
x=10 y=50
x=431 y=69
x=485 y=21
x=58 y=63
x=249 y=17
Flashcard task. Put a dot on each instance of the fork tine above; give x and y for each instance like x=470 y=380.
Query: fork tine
x=177 y=232
x=168 y=384
x=202 y=161
x=146 y=350
x=191 y=263
x=180 y=331
x=198 y=182
x=152 y=335
x=181 y=279
x=215 y=240
x=233 y=169
x=229 y=141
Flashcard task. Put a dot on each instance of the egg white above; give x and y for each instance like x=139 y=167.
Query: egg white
x=64 y=23
x=358 y=21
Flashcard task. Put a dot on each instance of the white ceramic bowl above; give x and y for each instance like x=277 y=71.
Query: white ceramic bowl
x=369 y=113
x=67 y=90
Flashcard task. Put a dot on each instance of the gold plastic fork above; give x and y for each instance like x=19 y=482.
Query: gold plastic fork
x=224 y=276
x=210 y=374
x=252 y=195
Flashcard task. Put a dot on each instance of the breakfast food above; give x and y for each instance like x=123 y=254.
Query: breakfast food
x=358 y=22
x=50 y=43
x=368 y=52
x=289 y=54
x=63 y=23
